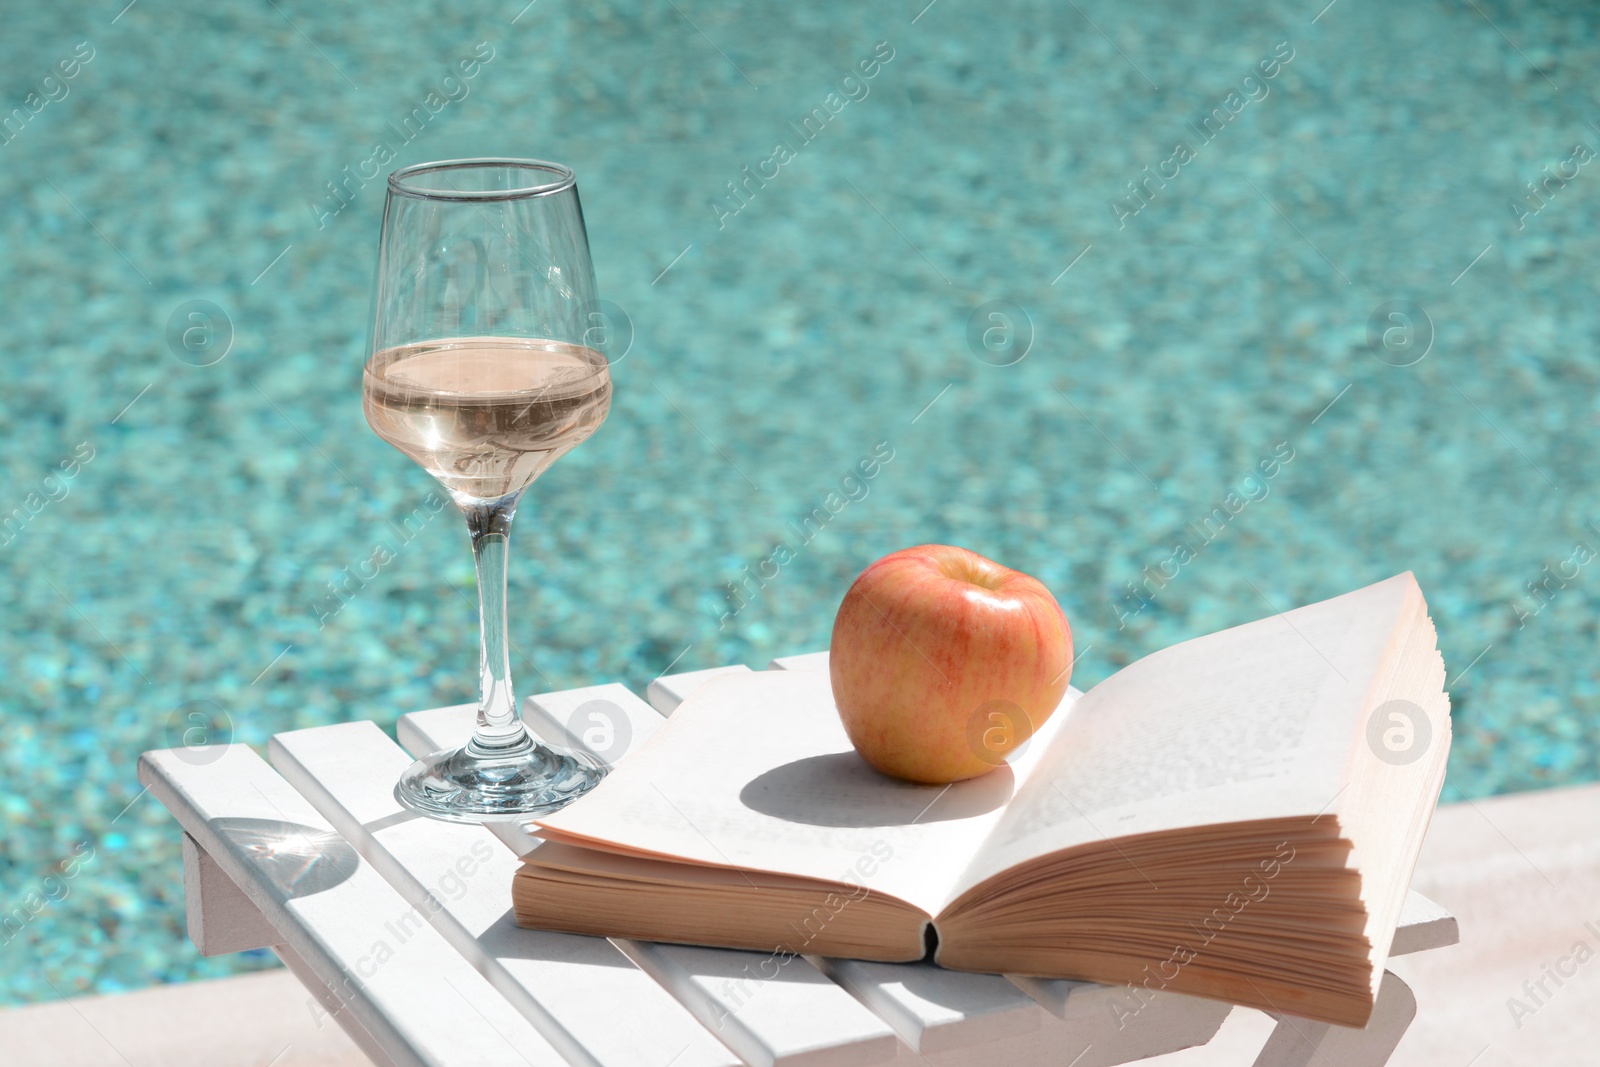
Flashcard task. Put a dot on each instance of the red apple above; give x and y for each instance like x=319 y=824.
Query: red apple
x=943 y=661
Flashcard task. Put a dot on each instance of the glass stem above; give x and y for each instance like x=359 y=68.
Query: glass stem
x=500 y=731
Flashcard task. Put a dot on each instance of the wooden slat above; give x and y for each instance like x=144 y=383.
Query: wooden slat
x=417 y=998
x=1301 y=1042
x=935 y=1010
x=669 y=690
x=569 y=986
x=805 y=661
x=796 y=1018
x=1423 y=925
x=221 y=919
x=793 y=1019
x=607 y=720
x=1113 y=1017
x=331 y=1005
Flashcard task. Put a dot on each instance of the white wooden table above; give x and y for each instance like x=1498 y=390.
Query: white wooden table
x=401 y=929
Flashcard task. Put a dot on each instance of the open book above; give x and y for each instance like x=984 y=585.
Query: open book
x=1234 y=817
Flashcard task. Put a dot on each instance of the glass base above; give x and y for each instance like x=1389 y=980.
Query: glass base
x=459 y=785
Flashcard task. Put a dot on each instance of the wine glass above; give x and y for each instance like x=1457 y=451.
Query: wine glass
x=479 y=370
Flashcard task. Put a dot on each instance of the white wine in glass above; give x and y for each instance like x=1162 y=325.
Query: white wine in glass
x=479 y=371
x=486 y=415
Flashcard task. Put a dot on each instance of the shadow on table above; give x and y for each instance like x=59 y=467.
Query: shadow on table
x=505 y=940
x=299 y=860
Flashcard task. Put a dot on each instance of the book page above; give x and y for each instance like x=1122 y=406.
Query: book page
x=1254 y=722
x=755 y=771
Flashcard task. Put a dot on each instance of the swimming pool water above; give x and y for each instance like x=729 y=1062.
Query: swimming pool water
x=1197 y=228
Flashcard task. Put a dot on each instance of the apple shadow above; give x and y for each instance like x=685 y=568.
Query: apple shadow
x=841 y=789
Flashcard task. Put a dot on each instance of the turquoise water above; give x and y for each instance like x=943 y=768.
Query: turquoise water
x=1198 y=226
